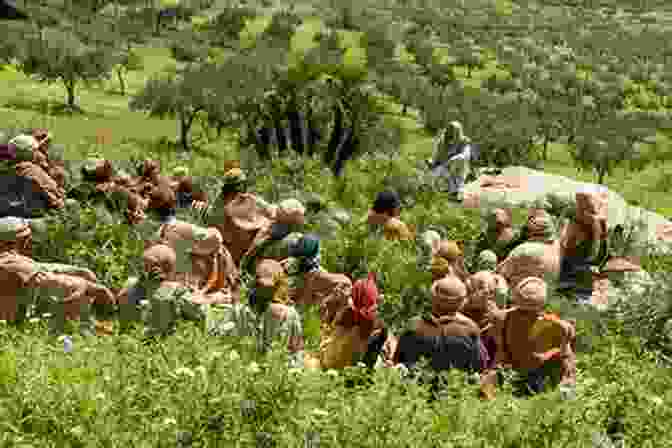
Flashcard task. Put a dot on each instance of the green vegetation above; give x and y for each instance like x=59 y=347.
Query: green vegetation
x=538 y=84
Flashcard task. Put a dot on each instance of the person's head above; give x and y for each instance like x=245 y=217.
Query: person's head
x=540 y=226
x=387 y=203
x=445 y=259
x=291 y=212
x=234 y=181
x=151 y=169
x=500 y=218
x=160 y=263
x=529 y=295
x=270 y=285
x=487 y=260
x=307 y=246
x=364 y=302
x=483 y=287
x=15 y=235
x=591 y=210
x=449 y=295
x=163 y=200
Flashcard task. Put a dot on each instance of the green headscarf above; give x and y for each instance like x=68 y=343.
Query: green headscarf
x=25 y=145
x=487 y=261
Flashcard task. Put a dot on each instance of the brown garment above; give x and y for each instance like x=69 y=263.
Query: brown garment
x=212 y=267
x=516 y=347
x=516 y=268
x=240 y=222
x=15 y=274
x=457 y=325
x=42 y=182
x=331 y=291
x=18 y=275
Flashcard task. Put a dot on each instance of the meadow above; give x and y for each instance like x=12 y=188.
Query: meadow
x=192 y=390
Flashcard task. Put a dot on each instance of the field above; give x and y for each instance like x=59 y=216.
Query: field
x=192 y=390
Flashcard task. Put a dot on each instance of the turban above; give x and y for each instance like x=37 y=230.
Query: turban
x=529 y=294
x=487 y=260
x=163 y=197
x=163 y=255
x=306 y=246
x=484 y=285
x=364 y=299
x=394 y=230
x=386 y=200
x=448 y=295
x=272 y=276
x=234 y=177
x=12 y=228
x=449 y=250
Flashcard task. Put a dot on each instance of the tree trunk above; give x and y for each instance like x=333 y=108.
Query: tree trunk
x=601 y=173
x=186 y=120
x=122 y=82
x=70 y=89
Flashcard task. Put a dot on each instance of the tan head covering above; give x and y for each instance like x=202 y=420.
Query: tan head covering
x=448 y=296
x=591 y=211
x=483 y=286
x=449 y=250
x=270 y=274
x=529 y=294
x=395 y=230
x=164 y=256
x=163 y=197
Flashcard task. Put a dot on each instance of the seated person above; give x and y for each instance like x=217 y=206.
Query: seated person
x=487 y=261
x=239 y=215
x=499 y=236
x=347 y=342
x=204 y=264
x=479 y=306
x=268 y=316
x=163 y=299
x=384 y=219
x=538 y=257
x=541 y=347
x=448 y=338
x=447 y=261
x=67 y=292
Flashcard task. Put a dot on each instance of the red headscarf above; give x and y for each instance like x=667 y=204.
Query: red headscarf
x=364 y=299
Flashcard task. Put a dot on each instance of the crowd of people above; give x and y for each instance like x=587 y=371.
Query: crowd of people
x=251 y=270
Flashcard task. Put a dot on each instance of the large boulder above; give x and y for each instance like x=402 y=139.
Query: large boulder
x=522 y=187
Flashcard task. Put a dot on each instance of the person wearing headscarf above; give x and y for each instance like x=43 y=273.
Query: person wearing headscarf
x=187 y=195
x=204 y=264
x=239 y=215
x=164 y=301
x=498 y=236
x=481 y=303
x=347 y=342
x=67 y=292
x=268 y=316
x=452 y=156
x=539 y=256
x=584 y=245
x=540 y=346
x=448 y=260
x=448 y=338
x=37 y=168
x=487 y=261
x=383 y=218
